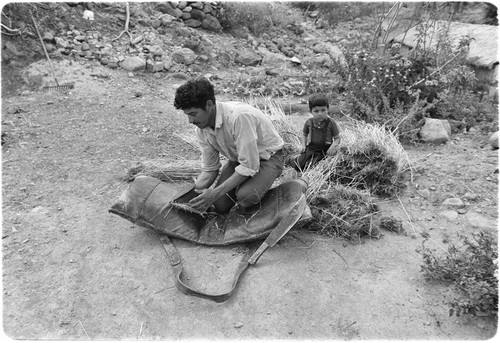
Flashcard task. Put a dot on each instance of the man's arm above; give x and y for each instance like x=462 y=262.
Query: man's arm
x=209 y=196
x=205 y=179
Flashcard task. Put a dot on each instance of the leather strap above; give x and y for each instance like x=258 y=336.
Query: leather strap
x=176 y=262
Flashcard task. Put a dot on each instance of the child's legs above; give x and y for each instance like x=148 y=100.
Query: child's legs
x=251 y=191
x=301 y=161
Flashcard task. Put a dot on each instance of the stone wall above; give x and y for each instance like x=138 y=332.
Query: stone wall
x=194 y=13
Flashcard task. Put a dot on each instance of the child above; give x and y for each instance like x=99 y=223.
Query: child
x=321 y=135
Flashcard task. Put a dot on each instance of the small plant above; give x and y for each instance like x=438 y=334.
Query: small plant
x=472 y=268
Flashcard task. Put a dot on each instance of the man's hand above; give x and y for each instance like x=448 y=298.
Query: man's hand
x=206 y=198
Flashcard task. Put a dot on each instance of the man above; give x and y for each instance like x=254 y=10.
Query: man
x=241 y=133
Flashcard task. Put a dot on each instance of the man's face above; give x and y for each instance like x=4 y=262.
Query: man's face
x=201 y=117
x=197 y=116
x=319 y=112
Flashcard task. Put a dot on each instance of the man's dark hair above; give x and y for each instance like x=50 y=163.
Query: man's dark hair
x=194 y=93
x=318 y=100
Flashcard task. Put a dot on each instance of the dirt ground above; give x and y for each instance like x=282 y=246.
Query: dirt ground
x=73 y=271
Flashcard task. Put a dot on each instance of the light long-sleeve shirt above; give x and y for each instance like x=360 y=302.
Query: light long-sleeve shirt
x=243 y=134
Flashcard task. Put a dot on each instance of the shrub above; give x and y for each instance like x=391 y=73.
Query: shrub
x=472 y=268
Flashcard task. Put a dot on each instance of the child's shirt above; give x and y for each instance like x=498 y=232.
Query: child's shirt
x=320 y=132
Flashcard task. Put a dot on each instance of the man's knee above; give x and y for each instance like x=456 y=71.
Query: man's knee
x=248 y=197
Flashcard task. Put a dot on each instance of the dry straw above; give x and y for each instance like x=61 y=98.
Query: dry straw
x=368 y=157
x=164 y=170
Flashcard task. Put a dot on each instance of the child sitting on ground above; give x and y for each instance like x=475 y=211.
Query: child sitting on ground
x=321 y=135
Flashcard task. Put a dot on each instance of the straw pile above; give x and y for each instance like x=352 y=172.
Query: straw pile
x=369 y=157
x=349 y=213
x=168 y=171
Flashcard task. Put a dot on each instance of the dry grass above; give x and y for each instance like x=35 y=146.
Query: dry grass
x=164 y=170
x=369 y=157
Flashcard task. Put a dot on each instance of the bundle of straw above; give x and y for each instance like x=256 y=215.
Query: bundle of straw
x=368 y=157
x=168 y=171
x=344 y=212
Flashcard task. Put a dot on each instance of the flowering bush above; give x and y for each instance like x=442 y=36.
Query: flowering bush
x=472 y=268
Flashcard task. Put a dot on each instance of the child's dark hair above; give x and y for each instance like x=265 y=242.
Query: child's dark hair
x=318 y=100
x=194 y=93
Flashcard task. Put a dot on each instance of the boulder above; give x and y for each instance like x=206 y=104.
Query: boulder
x=166 y=8
x=248 y=58
x=48 y=37
x=168 y=62
x=133 y=63
x=192 y=23
x=435 y=131
x=184 y=56
x=453 y=203
x=211 y=23
x=271 y=59
x=493 y=140
x=156 y=50
x=167 y=20
x=198 y=14
x=154 y=67
x=61 y=42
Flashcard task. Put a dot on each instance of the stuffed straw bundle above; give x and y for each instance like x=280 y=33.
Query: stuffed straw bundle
x=168 y=171
x=349 y=213
x=369 y=157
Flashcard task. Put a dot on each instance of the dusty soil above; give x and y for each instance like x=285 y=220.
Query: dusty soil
x=73 y=271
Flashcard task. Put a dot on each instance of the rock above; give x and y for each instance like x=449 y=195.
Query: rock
x=481 y=222
x=238 y=325
x=166 y=8
x=272 y=72
x=198 y=14
x=493 y=140
x=182 y=5
x=450 y=215
x=184 y=56
x=271 y=59
x=435 y=131
x=211 y=23
x=193 y=23
x=471 y=196
x=156 y=23
x=167 y=20
x=248 y=58
x=167 y=62
x=80 y=38
x=133 y=63
x=295 y=60
x=425 y=193
x=85 y=46
x=453 y=202
x=196 y=68
x=48 y=37
x=155 y=50
x=50 y=47
x=207 y=8
x=186 y=16
x=197 y=4
x=154 y=66
x=62 y=43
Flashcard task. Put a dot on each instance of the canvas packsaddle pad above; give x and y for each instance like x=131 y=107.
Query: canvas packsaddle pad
x=149 y=202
